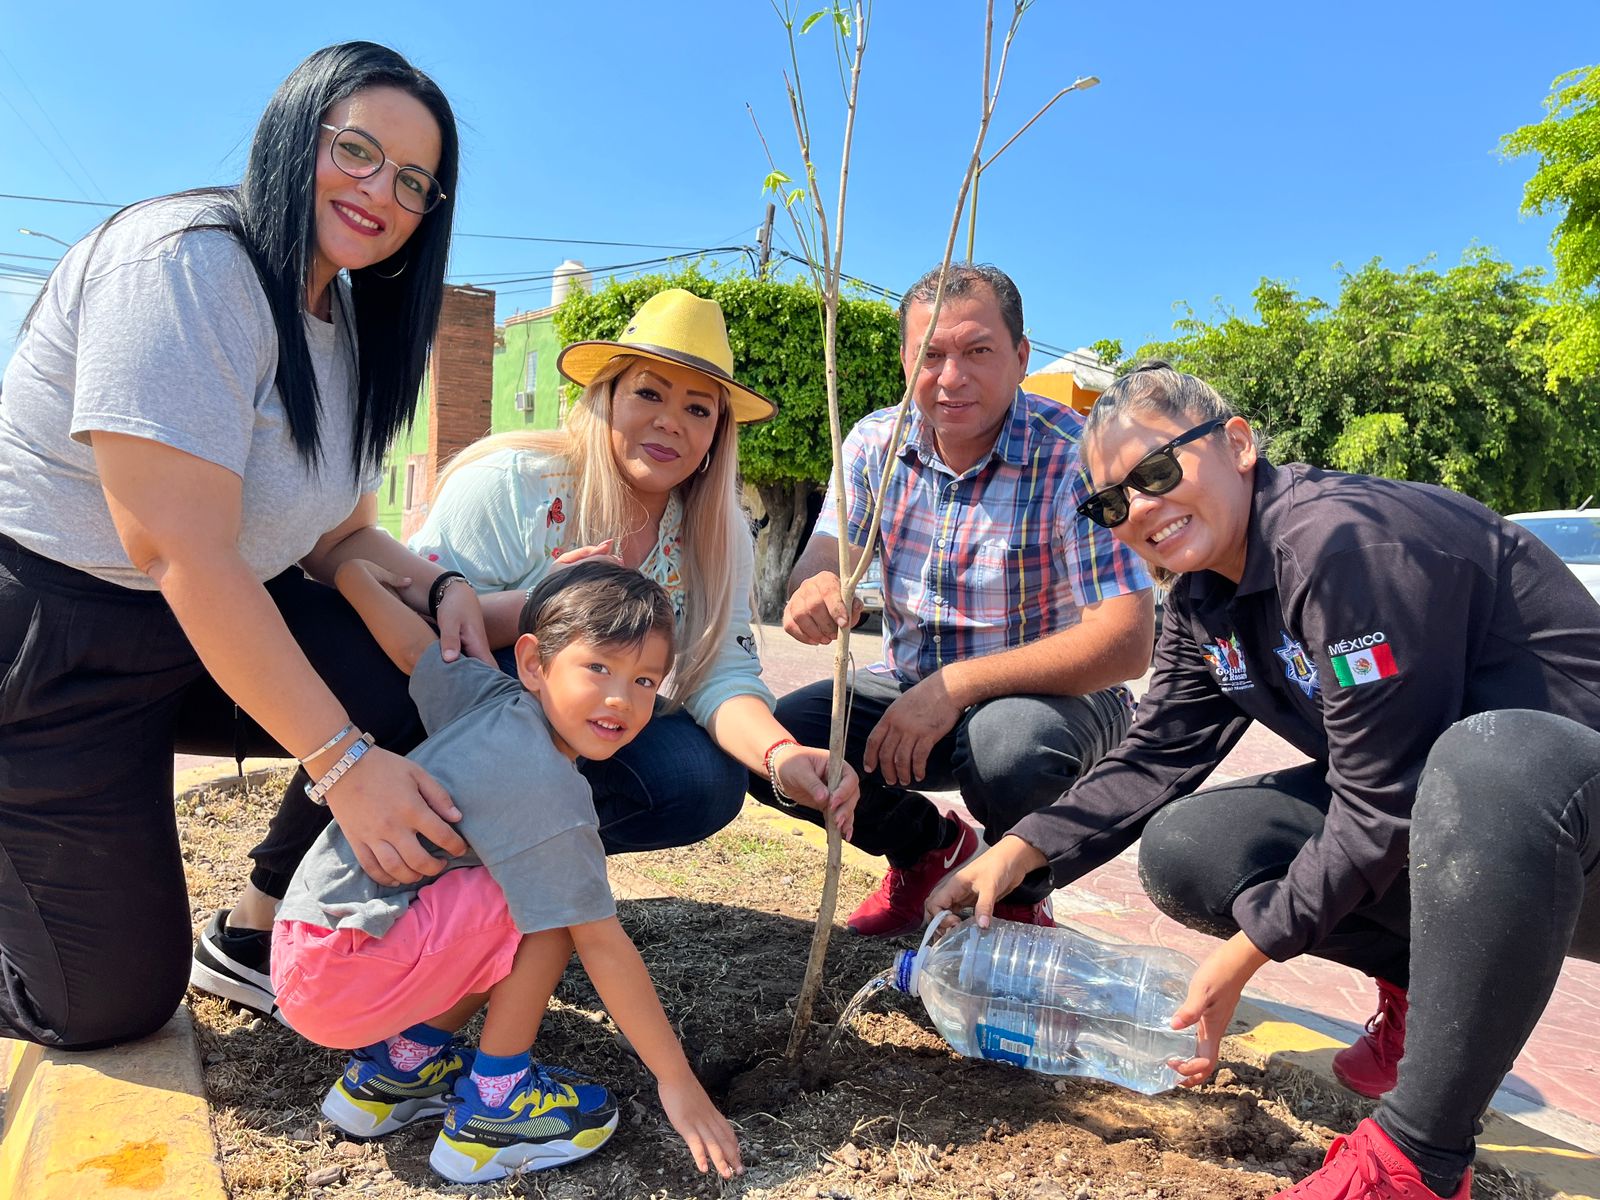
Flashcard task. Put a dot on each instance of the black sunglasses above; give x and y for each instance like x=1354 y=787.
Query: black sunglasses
x=1156 y=474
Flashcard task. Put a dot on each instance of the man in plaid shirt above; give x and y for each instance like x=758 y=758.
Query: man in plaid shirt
x=1009 y=621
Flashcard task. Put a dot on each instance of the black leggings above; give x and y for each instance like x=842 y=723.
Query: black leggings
x=98 y=686
x=1504 y=883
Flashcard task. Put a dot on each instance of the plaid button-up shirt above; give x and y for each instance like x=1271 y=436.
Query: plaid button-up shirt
x=987 y=560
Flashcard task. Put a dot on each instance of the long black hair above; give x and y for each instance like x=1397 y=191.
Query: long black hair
x=274 y=216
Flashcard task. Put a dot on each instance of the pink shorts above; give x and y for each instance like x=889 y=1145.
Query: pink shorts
x=345 y=988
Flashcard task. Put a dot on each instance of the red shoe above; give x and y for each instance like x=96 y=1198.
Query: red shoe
x=1368 y=1166
x=1027 y=914
x=1369 y=1067
x=896 y=907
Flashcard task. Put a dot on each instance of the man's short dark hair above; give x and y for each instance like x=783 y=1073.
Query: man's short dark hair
x=964 y=279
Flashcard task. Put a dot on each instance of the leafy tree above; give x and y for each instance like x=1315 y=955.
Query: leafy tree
x=1420 y=374
x=1567 y=181
x=775 y=330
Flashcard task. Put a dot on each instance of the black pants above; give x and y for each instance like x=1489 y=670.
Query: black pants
x=98 y=686
x=1010 y=756
x=1504 y=883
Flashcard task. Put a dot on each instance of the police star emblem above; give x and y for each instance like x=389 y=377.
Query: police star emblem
x=1297 y=665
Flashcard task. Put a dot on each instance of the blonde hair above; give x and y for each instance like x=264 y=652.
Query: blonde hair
x=711 y=513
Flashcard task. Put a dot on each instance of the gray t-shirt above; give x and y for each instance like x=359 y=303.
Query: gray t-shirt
x=169 y=338
x=526 y=812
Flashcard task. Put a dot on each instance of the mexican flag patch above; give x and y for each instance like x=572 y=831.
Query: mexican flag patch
x=1365 y=666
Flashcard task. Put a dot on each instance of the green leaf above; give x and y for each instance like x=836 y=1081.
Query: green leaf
x=841 y=18
x=805 y=26
x=774 y=181
x=797 y=195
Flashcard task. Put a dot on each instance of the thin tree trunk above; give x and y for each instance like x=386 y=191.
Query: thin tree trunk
x=780 y=511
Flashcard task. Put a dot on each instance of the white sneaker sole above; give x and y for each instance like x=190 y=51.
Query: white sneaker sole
x=361 y=1121
x=203 y=978
x=458 y=1163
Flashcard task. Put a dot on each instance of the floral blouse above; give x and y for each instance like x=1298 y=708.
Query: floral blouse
x=503 y=519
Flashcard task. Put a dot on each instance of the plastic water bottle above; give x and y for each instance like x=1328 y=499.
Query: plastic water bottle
x=1053 y=1000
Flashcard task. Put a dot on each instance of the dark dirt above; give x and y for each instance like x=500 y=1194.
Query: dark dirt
x=890 y=1113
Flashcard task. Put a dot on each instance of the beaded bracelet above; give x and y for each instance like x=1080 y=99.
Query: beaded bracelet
x=318 y=793
x=778 y=793
x=436 y=591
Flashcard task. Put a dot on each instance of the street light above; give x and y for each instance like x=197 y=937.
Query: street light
x=47 y=236
x=1081 y=84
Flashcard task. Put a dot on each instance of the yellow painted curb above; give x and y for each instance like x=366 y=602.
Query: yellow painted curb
x=1568 y=1171
x=122 y=1122
x=785 y=825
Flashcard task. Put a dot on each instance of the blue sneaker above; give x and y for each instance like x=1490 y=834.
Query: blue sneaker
x=373 y=1097
x=547 y=1121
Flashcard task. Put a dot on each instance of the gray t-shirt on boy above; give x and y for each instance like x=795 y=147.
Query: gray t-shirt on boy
x=526 y=812
x=159 y=334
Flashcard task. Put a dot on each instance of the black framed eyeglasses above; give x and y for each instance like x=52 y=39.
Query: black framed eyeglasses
x=357 y=154
x=1156 y=474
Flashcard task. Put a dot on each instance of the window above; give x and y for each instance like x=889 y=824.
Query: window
x=530 y=378
x=411 y=482
x=394 y=477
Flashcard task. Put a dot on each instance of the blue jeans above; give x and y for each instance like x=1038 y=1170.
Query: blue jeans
x=670 y=786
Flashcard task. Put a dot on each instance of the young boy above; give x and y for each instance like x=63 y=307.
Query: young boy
x=398 y=970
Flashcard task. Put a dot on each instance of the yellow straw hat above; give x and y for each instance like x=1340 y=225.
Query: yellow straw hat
x=677 y=327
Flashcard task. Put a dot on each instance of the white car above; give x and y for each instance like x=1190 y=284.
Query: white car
x=1574 y=534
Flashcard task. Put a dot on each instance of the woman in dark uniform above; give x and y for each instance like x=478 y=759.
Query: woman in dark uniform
x=1441 y=667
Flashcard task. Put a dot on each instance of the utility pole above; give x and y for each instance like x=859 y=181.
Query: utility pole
x=765 y=242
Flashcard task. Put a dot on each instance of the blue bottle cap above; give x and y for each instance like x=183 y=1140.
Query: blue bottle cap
x=905 y=966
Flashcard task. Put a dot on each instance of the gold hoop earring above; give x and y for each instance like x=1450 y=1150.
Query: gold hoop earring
x=396 y=275
x=705 y=465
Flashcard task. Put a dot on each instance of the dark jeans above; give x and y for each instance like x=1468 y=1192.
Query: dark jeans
x=670 y=786
x=99 y=686
x=1010 y=756
x=1504 y=883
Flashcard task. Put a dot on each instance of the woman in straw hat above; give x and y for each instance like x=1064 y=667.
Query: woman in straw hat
x=644 y=470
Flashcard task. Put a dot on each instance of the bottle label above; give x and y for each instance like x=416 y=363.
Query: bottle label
x=1003 y=1045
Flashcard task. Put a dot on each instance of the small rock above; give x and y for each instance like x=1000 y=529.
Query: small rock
x=303 y=1133
x=1006 y=1177
x=812 y=1191
x=849 y=1156
x=787 y=880
x=1060 y=1086
x=214 y=1058
x=323 y=1176
x=348 y=1150
x=201 y=813
x=1085 y=1192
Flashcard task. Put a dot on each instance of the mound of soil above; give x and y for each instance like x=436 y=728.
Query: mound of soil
x=888 y=1112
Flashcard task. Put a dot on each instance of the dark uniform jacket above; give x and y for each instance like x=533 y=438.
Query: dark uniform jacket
x=1371 y=615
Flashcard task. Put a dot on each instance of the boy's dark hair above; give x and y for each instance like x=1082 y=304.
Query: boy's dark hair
x=597 y=600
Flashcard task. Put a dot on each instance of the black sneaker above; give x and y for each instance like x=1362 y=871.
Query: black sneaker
x=235 y=964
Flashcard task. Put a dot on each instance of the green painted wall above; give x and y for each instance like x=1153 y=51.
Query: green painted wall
x=392 y=491
x=537 y=337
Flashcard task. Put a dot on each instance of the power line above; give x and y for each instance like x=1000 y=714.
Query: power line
x=44 y=112
x=41 y=257
x=511 y=237
x=59 y=200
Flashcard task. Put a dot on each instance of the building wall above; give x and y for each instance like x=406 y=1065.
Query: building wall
x=470 y=389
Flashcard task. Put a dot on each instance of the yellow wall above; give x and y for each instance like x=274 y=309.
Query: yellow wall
x=1060 y=385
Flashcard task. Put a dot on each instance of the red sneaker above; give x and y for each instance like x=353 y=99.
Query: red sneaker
x=1368 y=1166
x=1369 y=1067
x=1027 y=914
x=896 y=907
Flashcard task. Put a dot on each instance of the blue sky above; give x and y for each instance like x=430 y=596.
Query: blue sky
x=1226 y=143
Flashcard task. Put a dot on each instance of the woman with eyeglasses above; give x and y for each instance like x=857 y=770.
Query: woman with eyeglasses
x=191 y=434
x=1441 y=669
